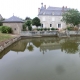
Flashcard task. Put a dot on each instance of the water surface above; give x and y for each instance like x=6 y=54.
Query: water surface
x=41 y=59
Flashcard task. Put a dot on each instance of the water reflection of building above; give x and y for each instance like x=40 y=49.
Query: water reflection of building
x=49 y=46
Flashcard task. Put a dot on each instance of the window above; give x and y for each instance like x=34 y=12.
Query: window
x=59 y=25
x=50 y=25
x=14 y=28
x=53 y=19
x=41 y=25
x=43 y=18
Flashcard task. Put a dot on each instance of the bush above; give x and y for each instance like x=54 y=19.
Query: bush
x=41 y=29
x=70 y=28
x=6 y=29
x=48 y=29
x=52 y=28
x=38 y=29
x=1 y=23
x=45 y=29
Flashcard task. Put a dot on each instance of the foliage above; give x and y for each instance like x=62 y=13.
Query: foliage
x=0 y=28
x=45 y=29
x=6 y=29
x=36 y=22
x=48 y=29
x=1 y=23
x=28 y=24
x=30 y=48
x=30 y=28
x=41 y=29
x=69 y=46
x=52 y=28
x=72 y=17
x=38 y=29
x=27 y=18
x=24 y=27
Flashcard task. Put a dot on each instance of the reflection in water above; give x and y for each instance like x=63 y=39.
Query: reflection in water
x=59 y=62
x=69 y=45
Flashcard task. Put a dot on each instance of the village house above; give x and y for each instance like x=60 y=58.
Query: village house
x=15 y=23
x=51 y=16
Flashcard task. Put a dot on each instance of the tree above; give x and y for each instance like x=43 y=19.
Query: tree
x=36 y=22
x=27 y=18
x=72 y=17
x=28 y=23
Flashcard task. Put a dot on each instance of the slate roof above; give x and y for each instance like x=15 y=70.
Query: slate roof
x=52 y=11
x=14 y=19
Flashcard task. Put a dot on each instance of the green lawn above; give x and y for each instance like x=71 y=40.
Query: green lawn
x=4 y=37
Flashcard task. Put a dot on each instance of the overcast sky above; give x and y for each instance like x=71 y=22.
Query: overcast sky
x=23 y=8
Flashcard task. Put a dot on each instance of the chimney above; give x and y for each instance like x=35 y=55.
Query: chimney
x=38 y=10
x=41 y=4
x=45 y=6
x=63 y=8
x=66 y=7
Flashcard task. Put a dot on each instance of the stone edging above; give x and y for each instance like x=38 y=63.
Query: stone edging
x=7 y=43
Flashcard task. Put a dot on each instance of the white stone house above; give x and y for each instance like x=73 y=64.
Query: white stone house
x=51 y=16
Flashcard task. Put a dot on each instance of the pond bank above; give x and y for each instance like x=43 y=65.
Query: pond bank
x=5 y=44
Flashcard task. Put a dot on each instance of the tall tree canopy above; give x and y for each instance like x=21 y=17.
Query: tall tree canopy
x=72 y=16
x=36 y=22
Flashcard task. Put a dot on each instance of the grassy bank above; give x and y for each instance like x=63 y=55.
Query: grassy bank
x=4 y=37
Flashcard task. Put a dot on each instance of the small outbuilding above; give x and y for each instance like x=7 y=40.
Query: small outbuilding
x=15 y=23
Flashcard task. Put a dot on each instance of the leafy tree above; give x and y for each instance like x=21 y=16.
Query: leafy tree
x=72 y=17
x=27 y=18
x=36 y=22
x=24 y=27
x=28 y=23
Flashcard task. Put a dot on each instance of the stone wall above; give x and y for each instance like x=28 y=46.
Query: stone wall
x=7 y=43
x=16 y=27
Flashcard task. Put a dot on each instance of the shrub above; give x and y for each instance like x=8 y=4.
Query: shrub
x=75 y=28
x=70 y=28
x=1 y=23
x=38 y=29
x=41 y=29
x=45 y=29
x=52 y=28
x=6 y=29
x=48 y=29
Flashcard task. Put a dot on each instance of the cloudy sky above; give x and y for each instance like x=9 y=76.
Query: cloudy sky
x=23 y=8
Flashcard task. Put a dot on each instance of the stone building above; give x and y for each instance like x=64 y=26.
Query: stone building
x=15 y=23
x=51 y=16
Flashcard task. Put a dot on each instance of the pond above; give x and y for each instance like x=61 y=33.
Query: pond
x=48 y=58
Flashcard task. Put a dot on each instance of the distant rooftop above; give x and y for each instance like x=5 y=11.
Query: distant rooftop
x=52 y=11
x=13 y=19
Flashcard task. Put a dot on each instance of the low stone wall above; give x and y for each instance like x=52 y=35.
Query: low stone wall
x=38 y=33
x=7 y=43
x=73 y=33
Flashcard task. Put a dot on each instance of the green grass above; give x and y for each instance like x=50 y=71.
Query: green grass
x=4 y=37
